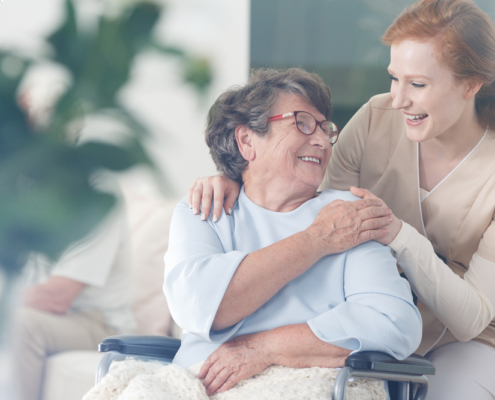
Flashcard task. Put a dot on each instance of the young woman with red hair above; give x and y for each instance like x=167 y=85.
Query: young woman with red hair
x=427 y=149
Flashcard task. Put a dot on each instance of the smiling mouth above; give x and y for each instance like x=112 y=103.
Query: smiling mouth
x=312 y=159
x=416 y=118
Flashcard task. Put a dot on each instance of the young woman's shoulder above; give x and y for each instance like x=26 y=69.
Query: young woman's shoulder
x=381 y=101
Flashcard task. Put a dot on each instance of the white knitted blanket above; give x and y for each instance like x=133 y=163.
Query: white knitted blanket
x=141 y=380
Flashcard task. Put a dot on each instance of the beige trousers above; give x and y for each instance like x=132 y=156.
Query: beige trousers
x=464 y=371
x=38 y=334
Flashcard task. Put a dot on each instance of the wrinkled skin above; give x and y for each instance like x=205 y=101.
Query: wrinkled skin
x=233 y=361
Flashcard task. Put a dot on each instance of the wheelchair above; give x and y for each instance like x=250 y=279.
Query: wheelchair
x=407 y=378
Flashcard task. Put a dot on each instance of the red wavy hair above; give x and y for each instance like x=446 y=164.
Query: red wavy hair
x=465 y=39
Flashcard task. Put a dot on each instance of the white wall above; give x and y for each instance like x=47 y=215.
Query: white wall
x=216 y=29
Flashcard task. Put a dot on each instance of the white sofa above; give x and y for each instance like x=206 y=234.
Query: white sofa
x=69 y=375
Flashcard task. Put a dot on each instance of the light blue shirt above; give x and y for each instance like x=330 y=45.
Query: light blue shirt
x=355 y=299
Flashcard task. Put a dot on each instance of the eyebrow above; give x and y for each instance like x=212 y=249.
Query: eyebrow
x=410 y=76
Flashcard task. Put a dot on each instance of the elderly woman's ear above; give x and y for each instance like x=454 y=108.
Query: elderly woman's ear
x=245 y=142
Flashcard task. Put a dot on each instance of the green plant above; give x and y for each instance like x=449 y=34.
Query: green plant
x=46 y=199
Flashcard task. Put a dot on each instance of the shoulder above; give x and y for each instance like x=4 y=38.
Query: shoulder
x=330 y=195
x=186 y=226
x=376 y=117
x=381 y=102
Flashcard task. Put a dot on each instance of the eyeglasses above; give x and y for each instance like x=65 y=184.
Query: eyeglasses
x=306 y=123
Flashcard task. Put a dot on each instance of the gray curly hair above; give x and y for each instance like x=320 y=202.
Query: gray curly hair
x=251 y=105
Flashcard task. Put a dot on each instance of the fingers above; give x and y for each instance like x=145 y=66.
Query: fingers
x=204 y=189
x=359 y=192
x=215 y=379
x=363 y=193
x=219 y=192
x=371 y=235
x=206 y=201
x=200 y=194
x=217 y=205
x=231 y=381
x=376 y=223
x=371 y=202
x=356 y=204
x=231 y=197
x=374 y=212
x=196 y=191
x=190 y=194
x=204 y=368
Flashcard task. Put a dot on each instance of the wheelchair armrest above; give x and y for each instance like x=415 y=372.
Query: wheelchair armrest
x=143 y=345
x=382 y=362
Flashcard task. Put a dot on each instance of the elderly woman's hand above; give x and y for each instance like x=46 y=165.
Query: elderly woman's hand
x=234 y=361
x=342 y=225
x=219 y=187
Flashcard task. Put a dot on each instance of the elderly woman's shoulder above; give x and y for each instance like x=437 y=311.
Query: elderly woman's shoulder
x=331 y=195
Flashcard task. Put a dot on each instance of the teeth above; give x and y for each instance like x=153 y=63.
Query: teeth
x=315 y=160
x=416 y=117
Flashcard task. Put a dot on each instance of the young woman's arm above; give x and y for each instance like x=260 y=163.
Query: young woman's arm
x=466 y=306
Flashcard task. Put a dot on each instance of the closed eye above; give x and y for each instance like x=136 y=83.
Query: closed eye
x=418 y=85
x=393 y=78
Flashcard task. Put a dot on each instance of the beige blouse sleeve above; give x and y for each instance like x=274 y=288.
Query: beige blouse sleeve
x=345 y=162
x=465 y=306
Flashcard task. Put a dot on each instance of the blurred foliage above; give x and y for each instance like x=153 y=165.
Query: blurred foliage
x=46 y=198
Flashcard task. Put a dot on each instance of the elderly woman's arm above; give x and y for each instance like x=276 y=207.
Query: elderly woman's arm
x=293 y=346
x=243 y=282
x=378 y=314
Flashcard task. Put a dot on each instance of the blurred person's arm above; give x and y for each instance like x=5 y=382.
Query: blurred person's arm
x=87 y=262
x=54 y=296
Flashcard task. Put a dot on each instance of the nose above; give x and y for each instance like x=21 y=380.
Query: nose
x=399 y=96
x=319 y=139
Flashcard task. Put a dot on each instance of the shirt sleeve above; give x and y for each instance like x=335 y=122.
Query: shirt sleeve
x=345 y=162
x=199 y=266
x=464 y=305
x=378 y=313
x=90 y=260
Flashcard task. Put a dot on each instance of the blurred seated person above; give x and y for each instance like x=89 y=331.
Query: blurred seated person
x=74 y=303
x=291 y=276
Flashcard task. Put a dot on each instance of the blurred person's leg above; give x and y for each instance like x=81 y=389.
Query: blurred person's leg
x=464 y=370
x=38 y=334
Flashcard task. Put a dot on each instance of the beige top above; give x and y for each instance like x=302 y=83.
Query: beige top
x=456 y=217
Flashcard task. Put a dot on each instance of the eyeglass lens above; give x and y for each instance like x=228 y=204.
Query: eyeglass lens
x=306 y=123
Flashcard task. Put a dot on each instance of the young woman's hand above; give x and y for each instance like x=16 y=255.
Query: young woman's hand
x=233 y=361
x=393 y=227
x=220 y=188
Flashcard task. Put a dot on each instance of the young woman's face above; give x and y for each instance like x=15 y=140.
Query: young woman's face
x=431 y=100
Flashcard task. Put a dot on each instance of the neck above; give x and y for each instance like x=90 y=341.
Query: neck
x=276 y=195
x=456 y=142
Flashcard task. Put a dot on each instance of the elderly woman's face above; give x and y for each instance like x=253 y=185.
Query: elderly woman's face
x=285 y=151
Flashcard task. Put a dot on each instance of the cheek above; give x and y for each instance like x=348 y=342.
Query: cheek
x=393 y=89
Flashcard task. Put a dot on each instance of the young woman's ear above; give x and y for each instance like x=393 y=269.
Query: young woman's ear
x=472 y=88
x=244 y=137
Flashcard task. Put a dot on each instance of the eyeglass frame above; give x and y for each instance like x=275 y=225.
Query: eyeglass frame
x=318 y=123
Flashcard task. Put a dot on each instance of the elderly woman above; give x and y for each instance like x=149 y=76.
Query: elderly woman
x=245 y=289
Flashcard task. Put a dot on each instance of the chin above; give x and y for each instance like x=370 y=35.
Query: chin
x=416 y=135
